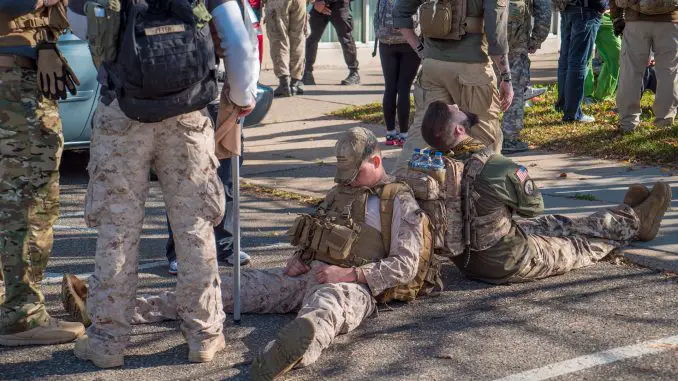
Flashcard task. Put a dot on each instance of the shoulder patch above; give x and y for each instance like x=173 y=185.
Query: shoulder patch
x=529 y=187
x=521 y=174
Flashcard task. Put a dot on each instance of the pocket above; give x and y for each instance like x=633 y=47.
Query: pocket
x=423 y=186
x=93 y=198
x=110 y=120
x=338 y=240
x=215 y=200
x=194 y=121
x=477 y=91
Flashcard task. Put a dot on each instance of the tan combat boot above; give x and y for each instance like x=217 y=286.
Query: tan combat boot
x=83 y=350
x=636 y=194
x=74 y=298
x=53 y=332
x=287 y=350
x=207 y=349
x=652 y=210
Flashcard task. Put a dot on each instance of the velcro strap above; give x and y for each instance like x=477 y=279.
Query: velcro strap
x=14 y=61
x=475 y=25
x=29 y=23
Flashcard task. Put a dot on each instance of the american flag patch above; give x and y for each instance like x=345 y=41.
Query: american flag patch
x=521 y=173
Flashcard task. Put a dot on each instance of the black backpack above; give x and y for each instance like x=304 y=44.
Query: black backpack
x=166 y=63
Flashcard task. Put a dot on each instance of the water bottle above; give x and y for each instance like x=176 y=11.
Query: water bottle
x=416 y=155
x=438 y=162
x=425 y=161
x=437 y=168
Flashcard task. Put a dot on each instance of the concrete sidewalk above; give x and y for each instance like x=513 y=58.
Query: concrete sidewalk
x=293 y=150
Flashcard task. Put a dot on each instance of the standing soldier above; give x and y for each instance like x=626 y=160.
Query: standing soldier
x=457 y=66
x=338 y=12
x=522 y=40
x=152 y=115
x=33 y=74
x=286 y=28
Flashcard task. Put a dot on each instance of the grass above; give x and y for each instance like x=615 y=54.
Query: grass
x=278 y=194
x=544 y=129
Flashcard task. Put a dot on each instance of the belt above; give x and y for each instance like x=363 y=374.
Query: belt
x=8 y=62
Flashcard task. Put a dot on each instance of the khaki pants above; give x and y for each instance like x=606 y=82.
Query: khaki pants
x=472 y=86
x=122 y=153
x=638 y=38
x=286 y=27
x=333 y=309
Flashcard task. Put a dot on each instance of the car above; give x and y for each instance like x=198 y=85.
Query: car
x=77 y=111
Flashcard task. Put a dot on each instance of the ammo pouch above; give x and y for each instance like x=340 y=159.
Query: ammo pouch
x=103 y=27
x=446 y=19
x=487 y=230
x=324 y=241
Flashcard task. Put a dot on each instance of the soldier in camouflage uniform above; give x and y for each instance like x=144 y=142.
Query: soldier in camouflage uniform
x=31 y=143
x=505 y=250
x=522 y=40
x=286 y=22
x=330 y=300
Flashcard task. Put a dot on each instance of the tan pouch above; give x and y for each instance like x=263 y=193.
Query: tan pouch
x=424 y=186
x=338 y=241
x=435 y=211
x=455 y=171
x=296 y=231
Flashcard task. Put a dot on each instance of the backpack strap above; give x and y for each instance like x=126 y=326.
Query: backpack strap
x=386 y=202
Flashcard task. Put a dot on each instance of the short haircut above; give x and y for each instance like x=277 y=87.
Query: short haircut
x=438 y=125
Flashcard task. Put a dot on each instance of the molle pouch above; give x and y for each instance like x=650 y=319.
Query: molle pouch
x=455 y=171
x=202 y=15
x=103 y=27
x=437 y=215
x=435 y=18
x=296 y=232
x=315 y=234
x=338 y=241
x=424 y=186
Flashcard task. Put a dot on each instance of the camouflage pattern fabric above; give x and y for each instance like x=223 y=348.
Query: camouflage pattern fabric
x=513 y=120
x=558 y=244
x=334 y=309
x=123 y=151
x=30 y=152
x=287 y=28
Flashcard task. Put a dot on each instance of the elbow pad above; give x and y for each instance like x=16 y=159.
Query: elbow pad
x=240 y=56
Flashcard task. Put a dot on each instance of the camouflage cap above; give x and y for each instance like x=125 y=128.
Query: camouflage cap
x=352 y=148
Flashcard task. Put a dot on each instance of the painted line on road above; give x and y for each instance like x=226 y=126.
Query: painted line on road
x=601 y=358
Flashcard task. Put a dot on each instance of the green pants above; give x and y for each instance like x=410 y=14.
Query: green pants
x=30 y=150
x=609 y=47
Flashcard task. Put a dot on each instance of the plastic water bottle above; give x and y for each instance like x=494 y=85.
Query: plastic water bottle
x=437 y=162
x=416 y=155
x=437 y=168
x=425 y=161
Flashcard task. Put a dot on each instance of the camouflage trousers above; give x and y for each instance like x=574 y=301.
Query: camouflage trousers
x=558 y=244
x=30 y=152
x=122 y=154
x=520 y=79
x=334 y=309
x=286 y=26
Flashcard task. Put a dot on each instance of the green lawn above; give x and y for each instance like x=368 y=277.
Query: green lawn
x=543 y=129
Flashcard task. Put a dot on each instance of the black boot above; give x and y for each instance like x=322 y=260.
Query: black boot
x=283 y=89
x=352 y=79
x=308 y=79
x=297 y=87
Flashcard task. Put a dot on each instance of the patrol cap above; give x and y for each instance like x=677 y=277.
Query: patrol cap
x=352 y=148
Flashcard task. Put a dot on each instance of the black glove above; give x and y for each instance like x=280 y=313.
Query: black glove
x=618 y=26
x=55 y=76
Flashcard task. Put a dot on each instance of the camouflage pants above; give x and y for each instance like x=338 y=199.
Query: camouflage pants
x=30 y=152
x=520 y=78
x=286 y=27
x=122 y=153
x=334 y=309
x=558 y=244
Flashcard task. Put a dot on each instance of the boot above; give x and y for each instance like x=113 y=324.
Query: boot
x=308 y=78
x=287 y=350
x=74 y=298
x=636 y=194
x=352 y=79
x=651 y=211
x=297 y=87
x=83 y=350
x=207 y=349
x=283 y=89
x=53 y=332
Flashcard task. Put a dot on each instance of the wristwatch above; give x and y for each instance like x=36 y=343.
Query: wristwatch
x=506 y=76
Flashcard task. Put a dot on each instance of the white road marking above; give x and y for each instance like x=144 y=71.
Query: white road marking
x=72 y=214
x=76 y=228
x=601 y=358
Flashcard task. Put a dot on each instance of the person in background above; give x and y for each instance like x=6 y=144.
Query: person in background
x=399 y=63
x=579 y=25
x=286 y=30
x=609 y=47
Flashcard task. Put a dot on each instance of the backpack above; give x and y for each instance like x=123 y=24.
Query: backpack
x=649 y=7
x=165 y=62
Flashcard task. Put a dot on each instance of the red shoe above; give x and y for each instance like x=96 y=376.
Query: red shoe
x=400 y=142
x=392 y=140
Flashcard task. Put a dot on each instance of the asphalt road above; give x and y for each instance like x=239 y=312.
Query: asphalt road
x=470 y=331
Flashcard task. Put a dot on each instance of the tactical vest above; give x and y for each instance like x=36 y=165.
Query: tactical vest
x=337 y=234
x=44 y=24
x=447 y=19
x=649 y=7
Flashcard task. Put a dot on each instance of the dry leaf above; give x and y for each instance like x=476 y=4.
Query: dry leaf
x=563 y=175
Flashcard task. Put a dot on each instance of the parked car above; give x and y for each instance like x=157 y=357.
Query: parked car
x=77 y=111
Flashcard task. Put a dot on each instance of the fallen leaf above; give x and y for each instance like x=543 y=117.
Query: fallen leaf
x=563 y=175
x=444 y=356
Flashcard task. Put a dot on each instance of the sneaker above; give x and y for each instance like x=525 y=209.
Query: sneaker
x=391 y=139
x=83 y=350
x=532 y=92
x=172 y=270
x=636 y=194
x=74 y=298
x=227 y=257
x=353 y=78
x=207 y=350
x=651 y=211
x=53 y=332
x=401 y=140
x=287 y=350
x=308 y=79
x=586 y=119
x=513 y=146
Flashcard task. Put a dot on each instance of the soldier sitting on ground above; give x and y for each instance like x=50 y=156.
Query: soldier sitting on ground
x=367 y=241
x=501 y=249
